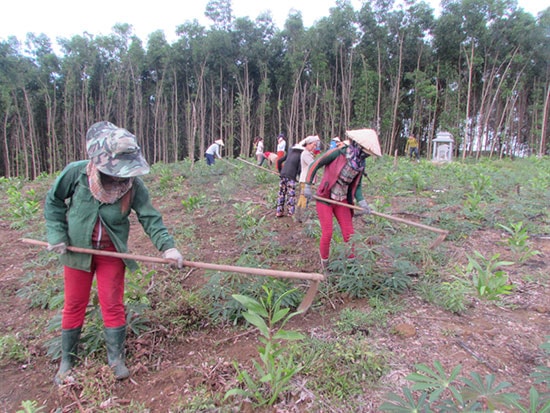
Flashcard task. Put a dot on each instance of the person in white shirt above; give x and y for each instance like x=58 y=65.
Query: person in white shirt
x=213 y=150
x=259 y=143
x=307 y=157
x=281 y=147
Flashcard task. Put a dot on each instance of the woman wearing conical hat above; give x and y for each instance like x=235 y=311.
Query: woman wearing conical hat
x=344 y=167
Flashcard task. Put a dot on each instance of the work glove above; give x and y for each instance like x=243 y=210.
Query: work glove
x=60 y=248
x=365 y=207
x=174 y=255
x=307 y=192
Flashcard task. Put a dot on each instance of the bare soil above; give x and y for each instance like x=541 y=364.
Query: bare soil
x=488 y=338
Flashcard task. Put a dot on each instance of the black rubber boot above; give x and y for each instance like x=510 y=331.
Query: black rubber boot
x=115 y=339
x=69 y=347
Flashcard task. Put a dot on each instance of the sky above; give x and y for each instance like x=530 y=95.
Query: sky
x=66 y=18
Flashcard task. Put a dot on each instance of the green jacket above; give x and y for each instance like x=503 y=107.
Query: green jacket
x=71 y=213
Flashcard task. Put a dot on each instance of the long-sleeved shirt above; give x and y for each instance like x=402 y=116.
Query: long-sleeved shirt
x=214 y=149
x=334 y=160
x=306 y=159
x=71 y=213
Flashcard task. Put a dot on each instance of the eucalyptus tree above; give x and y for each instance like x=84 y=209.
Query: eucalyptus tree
x=288 y=75
x=15 y=70
x=251 y=40
x=78 y=74
x=160 y=96
x=332 y=57
x=43 y=105
x=374 y=46
x=492 y=45
x=221 y=53
x=190 y=54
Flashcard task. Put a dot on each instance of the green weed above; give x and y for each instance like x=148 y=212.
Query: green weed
x=193 y=202
x=11 y=348
x=350 y=363
x=22 y=207
x=30 y=406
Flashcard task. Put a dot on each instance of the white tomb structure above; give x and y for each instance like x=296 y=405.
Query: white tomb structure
x=443 y=147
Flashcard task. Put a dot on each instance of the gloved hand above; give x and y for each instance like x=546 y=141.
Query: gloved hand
x=60 y=248
x=174 y=255
x=308 y=192
x=366 y=209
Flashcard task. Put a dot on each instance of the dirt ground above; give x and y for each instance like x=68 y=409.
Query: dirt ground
x=487 y=338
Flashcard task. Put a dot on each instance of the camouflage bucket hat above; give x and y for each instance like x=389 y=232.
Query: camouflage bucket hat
x=115 y=151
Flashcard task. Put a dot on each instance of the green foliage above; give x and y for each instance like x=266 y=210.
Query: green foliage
x=349 y=362
x=11 y=348
x=221 y=287
x=358 y=321
x=542 y=373
x=193 y=202
x=450 y=295
x=22 y=207
x=518 y=241
x=438 y=391
x=362 y=277
x=277 y=367
x=30 y=406
x=42 y=290
x=487 y=278
x=251 y=226
x=416 y=180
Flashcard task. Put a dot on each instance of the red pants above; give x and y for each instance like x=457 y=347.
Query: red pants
x=344 y=218
x=109 y=273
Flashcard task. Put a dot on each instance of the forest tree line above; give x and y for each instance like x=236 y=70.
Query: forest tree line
x=481 y=71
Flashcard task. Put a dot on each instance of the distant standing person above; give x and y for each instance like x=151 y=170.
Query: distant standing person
x=259 y=143
x=341 y=182
x=213 y=151
x=334 y=142
x=412 y=147
x=281 y=148
x=289 y=165
x=88 y=207
x=306 y=158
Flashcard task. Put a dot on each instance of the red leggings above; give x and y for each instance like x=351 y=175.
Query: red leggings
x=344 y=218
x=109 y=273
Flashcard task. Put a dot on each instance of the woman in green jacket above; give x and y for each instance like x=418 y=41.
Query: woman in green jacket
x=88 y=207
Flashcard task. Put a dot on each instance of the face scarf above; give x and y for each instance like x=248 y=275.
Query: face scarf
x=356 y=156
x=107 y=191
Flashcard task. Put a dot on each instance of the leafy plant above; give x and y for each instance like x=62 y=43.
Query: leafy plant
x=11 y=348
x=220 y=289
x=247 y=219
x=30 y=406
x=440 y=391
x=193 y=202
x=349 y=361
x=42 y=290
x=277 y=367
x=22 y=207
x=450 y=295
x=488 y=279
x=518 y=241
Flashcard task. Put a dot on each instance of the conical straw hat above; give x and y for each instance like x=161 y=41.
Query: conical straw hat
x=368 y=139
